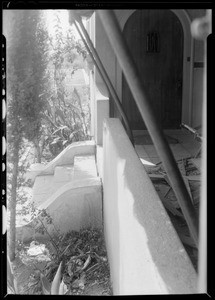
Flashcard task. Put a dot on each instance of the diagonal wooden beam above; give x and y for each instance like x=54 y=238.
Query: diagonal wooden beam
x=142 y=100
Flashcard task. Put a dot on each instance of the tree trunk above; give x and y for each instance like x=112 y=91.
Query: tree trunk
x=84 y=126
x=37 y=150
x=12 y=237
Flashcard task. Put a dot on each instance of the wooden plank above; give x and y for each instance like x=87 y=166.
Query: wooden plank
x=161 y=176
x=183 y=233
x=156 y=176
x=169 y=206
x=197 y=163
x=194 y=177
x=187 y=240
x=183 y=172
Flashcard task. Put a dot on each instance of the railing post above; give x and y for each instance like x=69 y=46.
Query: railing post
x=131 y=74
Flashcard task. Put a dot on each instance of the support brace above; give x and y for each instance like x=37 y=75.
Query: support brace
x=130 y=71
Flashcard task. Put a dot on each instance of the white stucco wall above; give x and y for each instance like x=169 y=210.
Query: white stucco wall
x=101 y=112
x=73 y=206
x=76 y=205
x=197 y=96
x=144 y=251
x=66 y=157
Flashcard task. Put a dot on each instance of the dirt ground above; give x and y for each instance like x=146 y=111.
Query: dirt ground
x=85 y=268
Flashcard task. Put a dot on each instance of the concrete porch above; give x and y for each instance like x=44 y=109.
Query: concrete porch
x=182 y=144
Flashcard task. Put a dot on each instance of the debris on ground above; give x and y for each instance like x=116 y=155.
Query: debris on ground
x=85 y=267
x=192 y=178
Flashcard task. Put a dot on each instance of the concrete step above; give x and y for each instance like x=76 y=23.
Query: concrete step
x=75 y=205
x=64 y=173
x=84 y=167
x=72 y=196
x=66 y=157
x=46 y=185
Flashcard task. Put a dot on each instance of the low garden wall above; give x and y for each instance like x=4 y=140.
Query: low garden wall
x=144 y=250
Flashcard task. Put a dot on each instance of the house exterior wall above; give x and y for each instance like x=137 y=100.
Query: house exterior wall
x=198 y=72
x=192 y=96
x=90 y=26
x=106 y=55
x=144 y=251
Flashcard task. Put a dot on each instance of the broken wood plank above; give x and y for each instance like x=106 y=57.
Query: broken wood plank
x=172 y=209
x=167 y=179
x=183 y=234
x=163 y=176
x=183 y=172
x=194 y=177
x=167 y=192
x=156 y=176
x=198 y=152
x=187 y=240
x=169 y=206
x=197 y=163
x=163 y=191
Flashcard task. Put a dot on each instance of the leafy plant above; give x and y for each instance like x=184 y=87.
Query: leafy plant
x=11 y=281
x=43 y=111
x=57 y=287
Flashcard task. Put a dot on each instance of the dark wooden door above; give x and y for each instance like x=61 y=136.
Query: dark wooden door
x=155 y=39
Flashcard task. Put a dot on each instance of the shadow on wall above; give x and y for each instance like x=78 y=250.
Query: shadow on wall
x=145 y=253
x=165 y=249
x=111 y=214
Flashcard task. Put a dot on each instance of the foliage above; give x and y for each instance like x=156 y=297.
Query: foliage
x=44 y=114
x=41 y=107
x=11 y=280
x=26 y=66
x=83 y=263
x=67 y=114
x=79 y=263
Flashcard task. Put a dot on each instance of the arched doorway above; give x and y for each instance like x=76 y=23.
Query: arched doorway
x=155 y=39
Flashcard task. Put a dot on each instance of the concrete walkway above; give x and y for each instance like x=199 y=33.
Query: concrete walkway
x=183 y=145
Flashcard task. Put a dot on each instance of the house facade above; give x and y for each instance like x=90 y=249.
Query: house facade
x=178 y=62
x=171 y=66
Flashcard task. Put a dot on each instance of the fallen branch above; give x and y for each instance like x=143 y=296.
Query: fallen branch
x=94 y=266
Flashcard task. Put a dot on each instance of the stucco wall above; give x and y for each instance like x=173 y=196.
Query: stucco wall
x=74 y=206
x=198 y=72
x=197 y=97
x=144 y=251
x=101 y=112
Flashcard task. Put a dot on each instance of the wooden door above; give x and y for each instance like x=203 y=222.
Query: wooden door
x=155 y=39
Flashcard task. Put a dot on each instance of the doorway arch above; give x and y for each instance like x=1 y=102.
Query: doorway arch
x=188 y=57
